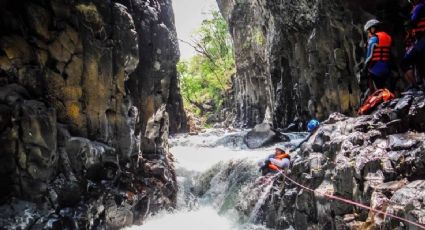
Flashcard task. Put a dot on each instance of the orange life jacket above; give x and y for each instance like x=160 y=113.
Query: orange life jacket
x=375 y=99
x=419 y=27
x=278 y=157
x=382 y=51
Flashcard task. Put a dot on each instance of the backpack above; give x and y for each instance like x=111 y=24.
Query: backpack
x=379 y=96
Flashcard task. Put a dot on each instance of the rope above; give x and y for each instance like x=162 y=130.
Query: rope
x=332 y=197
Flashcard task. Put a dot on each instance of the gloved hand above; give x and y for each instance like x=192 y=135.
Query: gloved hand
x=267 y=162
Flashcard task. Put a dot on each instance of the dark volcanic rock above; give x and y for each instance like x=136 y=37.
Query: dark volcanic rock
x=407 y=202
x=298 y=59
x=18 y=214
x=260 y=136
x=79 y=81
x=350 y=158
x=155 y=82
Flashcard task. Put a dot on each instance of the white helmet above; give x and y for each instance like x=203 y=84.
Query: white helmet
x=371 y=23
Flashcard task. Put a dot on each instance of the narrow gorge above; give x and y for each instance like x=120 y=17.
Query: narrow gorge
x=94 y=133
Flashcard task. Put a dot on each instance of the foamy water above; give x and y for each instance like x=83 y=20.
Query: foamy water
x=200 y=159
x=194 y=154
x=198 y=154
x=204 y=218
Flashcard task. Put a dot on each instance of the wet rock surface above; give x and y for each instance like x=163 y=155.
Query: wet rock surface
x=365 y=159
x=86 y=92
x=260 y=136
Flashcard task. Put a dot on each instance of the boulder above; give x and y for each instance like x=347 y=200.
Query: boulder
x=86 y=156
x=118 y=217
x=260 y=136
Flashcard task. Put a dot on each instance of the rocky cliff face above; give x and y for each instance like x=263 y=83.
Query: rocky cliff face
x=376 y=160
x=296 y=59
x=86 y=91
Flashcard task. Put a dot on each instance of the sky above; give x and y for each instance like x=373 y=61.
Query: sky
x=189 y=15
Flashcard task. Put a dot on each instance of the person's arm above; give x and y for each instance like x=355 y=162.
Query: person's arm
x=373 y=41
x=417 y=13
x=280 y=163
x=266 y=161
x=268 y=157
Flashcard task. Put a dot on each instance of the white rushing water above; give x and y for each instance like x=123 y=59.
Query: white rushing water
x=215 y=210
x=201 y=152
x=205 y=218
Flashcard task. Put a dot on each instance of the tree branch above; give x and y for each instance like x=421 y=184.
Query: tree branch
x=203 y=51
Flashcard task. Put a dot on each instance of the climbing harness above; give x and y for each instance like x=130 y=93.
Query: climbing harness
x=347 y=201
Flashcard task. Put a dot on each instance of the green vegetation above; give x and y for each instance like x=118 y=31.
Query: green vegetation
x=206 y=77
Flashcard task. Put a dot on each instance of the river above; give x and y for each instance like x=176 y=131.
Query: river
x=220 y=187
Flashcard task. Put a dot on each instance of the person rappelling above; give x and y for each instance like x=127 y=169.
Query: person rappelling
x=281 y=160
x=275 y=162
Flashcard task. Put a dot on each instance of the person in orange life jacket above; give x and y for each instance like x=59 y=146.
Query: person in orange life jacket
x=275 y=162
x=415 y=56
x=378 y=56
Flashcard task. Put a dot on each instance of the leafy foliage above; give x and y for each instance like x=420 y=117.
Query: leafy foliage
x=206 y=77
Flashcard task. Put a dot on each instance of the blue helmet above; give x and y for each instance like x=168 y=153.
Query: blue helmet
x=312 y=125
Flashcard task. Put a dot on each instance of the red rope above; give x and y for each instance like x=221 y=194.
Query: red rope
x=354 y=203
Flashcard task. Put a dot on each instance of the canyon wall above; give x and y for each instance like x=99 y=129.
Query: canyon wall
x=298 y=59
x=88 y=95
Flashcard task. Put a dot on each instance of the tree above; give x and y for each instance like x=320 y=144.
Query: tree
x=205 y=78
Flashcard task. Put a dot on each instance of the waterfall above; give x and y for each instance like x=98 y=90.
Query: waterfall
x=219 y=183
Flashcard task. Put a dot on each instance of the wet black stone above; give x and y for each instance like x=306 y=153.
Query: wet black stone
x=260 y=136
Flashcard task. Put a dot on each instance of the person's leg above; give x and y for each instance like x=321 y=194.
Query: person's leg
x=379 y=81
x=286 y=163
x=407 y=65
x=409 y=76
x=380 y=72
x=420 y=75
x=420 y=60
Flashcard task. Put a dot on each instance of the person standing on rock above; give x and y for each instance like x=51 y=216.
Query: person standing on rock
x=378 y=56
x=275 y=162
x=414 y=59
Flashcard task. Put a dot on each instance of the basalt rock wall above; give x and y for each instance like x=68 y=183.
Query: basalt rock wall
x=298 y=59
x=375 y=160
x=87 y=89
